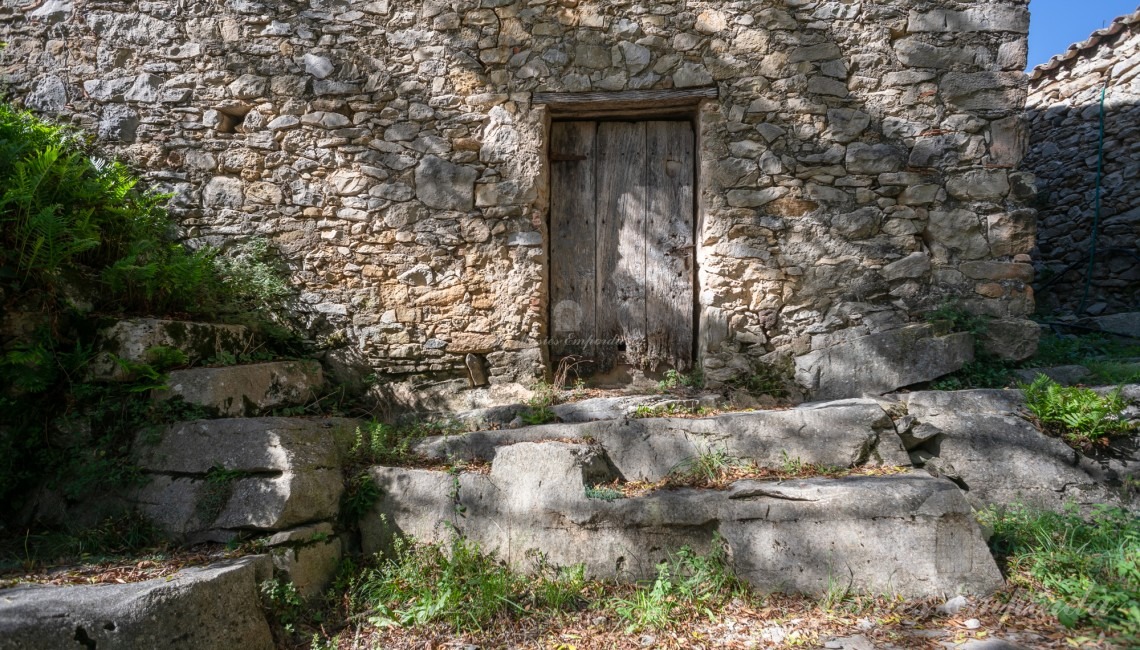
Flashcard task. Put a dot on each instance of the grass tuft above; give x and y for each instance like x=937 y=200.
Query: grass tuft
x=1087 y=570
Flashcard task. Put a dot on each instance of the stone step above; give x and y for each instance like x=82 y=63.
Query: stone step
x=909 y=534
x=840 y=434
x=131 y=340
x=213 y=607
x=247 y=390
x=216 y=479
x=586 y=410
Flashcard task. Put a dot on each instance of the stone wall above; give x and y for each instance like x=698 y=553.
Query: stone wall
x=857 y=169
x=1064 y=125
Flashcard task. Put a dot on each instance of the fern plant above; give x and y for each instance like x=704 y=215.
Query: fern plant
x=1080 y=415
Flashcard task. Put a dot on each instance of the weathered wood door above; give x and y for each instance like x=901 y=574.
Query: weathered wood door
x=621 y=250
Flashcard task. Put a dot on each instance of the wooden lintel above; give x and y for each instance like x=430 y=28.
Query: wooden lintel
x=599 y=103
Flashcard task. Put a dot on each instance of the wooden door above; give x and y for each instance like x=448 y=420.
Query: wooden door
x=622 y=253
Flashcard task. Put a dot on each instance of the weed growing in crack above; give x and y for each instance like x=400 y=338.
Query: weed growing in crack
x=686 y=580
x=674 y=380
x=216 y=492
x=603 y=493
x=707 y=467
x=381 y=443
x=538 y=409
x=360 y=494
x=283 y=604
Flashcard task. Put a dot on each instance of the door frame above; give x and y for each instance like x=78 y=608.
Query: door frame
x=678 y=105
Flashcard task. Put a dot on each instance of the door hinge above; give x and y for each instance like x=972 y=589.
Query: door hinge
x=565 y=157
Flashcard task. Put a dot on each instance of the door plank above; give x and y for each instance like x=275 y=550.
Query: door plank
x=621 y=239
x=573 y=228
x=669 y=257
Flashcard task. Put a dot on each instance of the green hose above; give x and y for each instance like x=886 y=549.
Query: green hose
x=1096 y=212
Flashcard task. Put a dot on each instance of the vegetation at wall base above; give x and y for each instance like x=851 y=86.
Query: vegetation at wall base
x=1087 y=570
x=457 y=584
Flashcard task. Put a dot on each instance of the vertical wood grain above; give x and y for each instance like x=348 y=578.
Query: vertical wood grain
x=669 y=257
x=573 y=237
x=621 y=236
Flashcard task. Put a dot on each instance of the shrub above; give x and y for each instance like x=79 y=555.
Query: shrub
x=68 y=218
x=1080 y=415
x=79 y=241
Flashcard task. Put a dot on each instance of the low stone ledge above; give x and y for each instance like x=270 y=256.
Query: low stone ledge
x=130 y=340
x=840 y=434
x=910 y=534
x=215 y=607
x=247 y=390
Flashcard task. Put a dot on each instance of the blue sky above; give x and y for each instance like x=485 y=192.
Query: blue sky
x=1056 y=24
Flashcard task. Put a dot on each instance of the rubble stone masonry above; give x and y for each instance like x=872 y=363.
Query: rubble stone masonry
x=857 y=168
x=1064 y=125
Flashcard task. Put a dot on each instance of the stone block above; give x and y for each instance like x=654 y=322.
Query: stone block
x=979 y=185
x=984 y=91
x=131 y=340
x=989 y=18
x=444 y=185
x=873 y=158
x=235 y=391
x=959 y=231
x=214 y=607
x=879 y=363
x=48 y=96
x=914 y=265
x=998 y=455
x=223 y=192
x=844 y=433
x=1011 y=233
x=310 y=567
x=1125 y=324
x=1011 y=339
x=210 y=479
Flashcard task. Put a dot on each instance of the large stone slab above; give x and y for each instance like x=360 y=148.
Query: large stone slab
x=882 y=362
x=908 y=534
x=211 y=479
x=130 y=340
x=214 y=607
x=997 y=455
x=841 y=434
x=586 y=410
x=911 y=534
x=1127 y=324
x=236 y=391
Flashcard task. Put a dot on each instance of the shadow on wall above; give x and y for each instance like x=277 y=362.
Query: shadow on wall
x=900 y=195
x=848 y=183
x=1064 y=155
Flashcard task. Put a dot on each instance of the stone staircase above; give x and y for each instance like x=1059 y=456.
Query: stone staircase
x=911 y=533
x=909 y=530
x=239 y=473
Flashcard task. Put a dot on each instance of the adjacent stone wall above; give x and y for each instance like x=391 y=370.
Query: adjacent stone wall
x=858 y=168
x=1064 y=124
